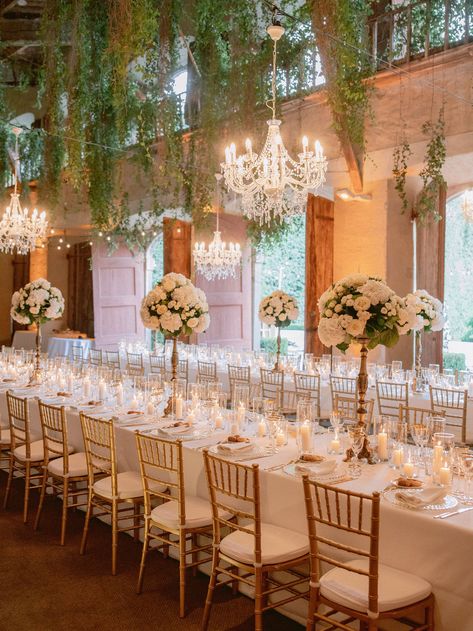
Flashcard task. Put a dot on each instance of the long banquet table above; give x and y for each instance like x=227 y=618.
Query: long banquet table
x=441 y=551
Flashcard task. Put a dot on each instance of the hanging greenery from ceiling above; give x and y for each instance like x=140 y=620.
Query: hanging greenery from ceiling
x=427 y=205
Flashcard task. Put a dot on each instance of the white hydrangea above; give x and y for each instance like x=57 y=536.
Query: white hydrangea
x=37 y=302
x=428 y=311
x=330 y=332
x=278 y=309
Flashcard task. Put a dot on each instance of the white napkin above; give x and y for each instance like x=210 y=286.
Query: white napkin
x=319 y=468
x=179 y=430
x=427 y=496
x=235 y=448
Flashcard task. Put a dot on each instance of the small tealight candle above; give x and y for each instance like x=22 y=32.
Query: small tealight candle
x=191 y=417
x=219 y=421
x=134 y=403
x=383 y=445
x=261 y=429
x=408 y=468
x=398 y=457
x=335 y=444
x=280 y=438
x=150 y=408
x=445 y=475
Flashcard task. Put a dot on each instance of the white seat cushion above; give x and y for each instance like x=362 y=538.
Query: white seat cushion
x=198 y=513
x=5 y=437
x=36 y=452
x=395 y=588
x=277 y=545
x=128 y=483
x=77 y=466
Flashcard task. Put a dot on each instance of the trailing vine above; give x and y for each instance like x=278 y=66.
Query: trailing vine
x=401 y=156
x=427 y=206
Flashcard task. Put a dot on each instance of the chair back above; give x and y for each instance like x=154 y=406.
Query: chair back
x=54 y=427
x=235 y=489
x=272 y=385
x=342 y=522
x=157 y=364
x=183 y=370
x=342 y=386
x=416 y=416
x=161 y=466
x=77 y=353
x=112 y=358
x=390 y=396
x=308 y=387
x=206 y=371
x=454 y=404
x=134 y=364
x=347 y=408
x=238 y=376
x=95 y=357
x=19 y=420
x=99 y=444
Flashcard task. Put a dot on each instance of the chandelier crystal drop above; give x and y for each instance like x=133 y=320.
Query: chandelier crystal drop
x=273 y=185
x=19 y=231
x=467 y=205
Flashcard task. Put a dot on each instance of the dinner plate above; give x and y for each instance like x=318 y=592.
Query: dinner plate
x=191 y=433
x=447 y=502
x=339 y=474
x=256 y=450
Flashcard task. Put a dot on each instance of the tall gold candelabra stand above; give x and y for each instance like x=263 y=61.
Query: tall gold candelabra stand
x=419 y=384
x=37 y=376
x=170 y=406
x=277 y=365
x=362 y=387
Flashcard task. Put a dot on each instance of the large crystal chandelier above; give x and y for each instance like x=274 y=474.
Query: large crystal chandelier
x=219 y=260
x=18 y=229
x=467 y=205
x=272 y=184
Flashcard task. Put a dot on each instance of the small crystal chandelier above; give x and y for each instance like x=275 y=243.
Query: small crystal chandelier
x=272 y=184
x=218 y=261
x=467 y=205
x=19 y=230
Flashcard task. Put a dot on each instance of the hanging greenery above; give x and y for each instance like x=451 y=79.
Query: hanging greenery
x=427 y=206
x=401 y=156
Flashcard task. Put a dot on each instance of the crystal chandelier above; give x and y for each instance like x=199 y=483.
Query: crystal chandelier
x=467 y=205
x=18 y=229
x=220 y=260
x=272 y=184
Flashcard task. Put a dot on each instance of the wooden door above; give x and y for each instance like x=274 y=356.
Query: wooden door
x=21 y=273
x=118 y=287
x=177 y=237
x=80 y=304
x=318 y=266
x=229 y=300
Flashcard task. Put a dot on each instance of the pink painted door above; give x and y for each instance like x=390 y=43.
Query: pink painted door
x=229 y=300
x=118 y=285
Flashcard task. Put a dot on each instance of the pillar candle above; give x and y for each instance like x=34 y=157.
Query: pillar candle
x=335 y=445
x=437 y=458
x=306 y=435
x=179 y=406
x=86 y=387
x=261 y=428
x=70 y=383
x=102 y=390
x=397 y=457
x=383 y=446
x=408 y=468
x=120 y=394
x=241 y=411
x=150 y=408
x=219 y=421
x=280 y=439
x=445 y=476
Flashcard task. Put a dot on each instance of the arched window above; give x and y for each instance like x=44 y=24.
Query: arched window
x=458 y=334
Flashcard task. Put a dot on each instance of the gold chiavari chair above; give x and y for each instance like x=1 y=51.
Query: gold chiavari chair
x=206 y=372
x=273 y=388
x=346 y=407
x=63 y=470
x=253 y=551
x=183 y=371
x=5 y=446
x=179 y=519
x=358 y=586
x=157 y=364
x=77 y=353
x=308 y=387
x=134 y=364
x=454 y=404
x=241 y=376
x=113 y=489
x=390 y=396
x=112 y=359
x=95 y=357
x=416 y=416
x=26 y=455
x=343 y=386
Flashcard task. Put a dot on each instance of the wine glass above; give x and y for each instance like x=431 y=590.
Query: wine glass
x=420 y=434
x=466 y=463
x=357 y=440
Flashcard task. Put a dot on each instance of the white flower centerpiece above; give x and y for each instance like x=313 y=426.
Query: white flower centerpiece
x=175 y=307
x=363 y=309
x=278 y=309
x=427 y=315
x=36 y=303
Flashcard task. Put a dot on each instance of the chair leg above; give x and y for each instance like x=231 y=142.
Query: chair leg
x=144 y=553
x=41 y=498
x=65 y=506
x=182 y=574
x=27 y=492
x=136 y=522
x=85 y=532
x=195 y=555
x=429 y=617
x=210 y=591
x=258 y=600
x=310 y=626
x=9 y=481
x=114 y=537
x=372 y=625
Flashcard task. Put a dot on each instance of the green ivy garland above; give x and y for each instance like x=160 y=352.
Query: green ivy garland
x=401 y=156
x=427 y=206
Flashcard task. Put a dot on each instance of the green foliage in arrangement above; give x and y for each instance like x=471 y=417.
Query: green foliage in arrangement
x=401 y=156
x=270 y=345
x=454 y=361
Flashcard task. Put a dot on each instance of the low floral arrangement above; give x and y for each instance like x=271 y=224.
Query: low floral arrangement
x=278 y=309
x=428 y=311
x=363 y=306
x=175 y=307
x=37 y=302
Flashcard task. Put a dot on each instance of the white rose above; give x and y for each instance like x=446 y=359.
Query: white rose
x=362 y=303
x=192 y=322
x=282 y=317
x=355 y=327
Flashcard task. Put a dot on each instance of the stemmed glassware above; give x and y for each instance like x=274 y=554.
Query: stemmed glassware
x=466 y=464
x=357 y=438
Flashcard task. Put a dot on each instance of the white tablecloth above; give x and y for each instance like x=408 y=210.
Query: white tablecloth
x=62 y=346
x=27 y=340
x=441 y=551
